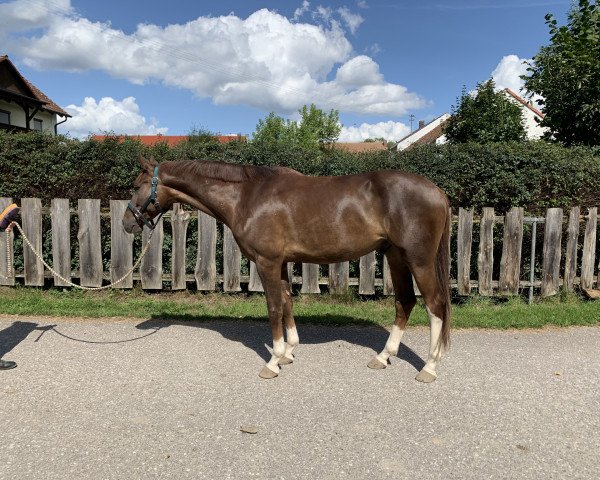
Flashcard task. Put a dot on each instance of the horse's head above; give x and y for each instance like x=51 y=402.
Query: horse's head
x=149 y=201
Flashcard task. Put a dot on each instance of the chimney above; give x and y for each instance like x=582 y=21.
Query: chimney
x=421 y=124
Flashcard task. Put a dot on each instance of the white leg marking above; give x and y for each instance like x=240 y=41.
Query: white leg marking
x=292 y=341
x=392 y=345
x=278 y=351
x=435 y=347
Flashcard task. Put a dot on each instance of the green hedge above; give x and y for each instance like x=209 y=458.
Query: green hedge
x=533 y=175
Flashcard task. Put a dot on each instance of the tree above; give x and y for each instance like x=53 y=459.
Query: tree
x=274 y=131
x=314 y=130
x=566 y=74
x=487 y=116
x=318 y=127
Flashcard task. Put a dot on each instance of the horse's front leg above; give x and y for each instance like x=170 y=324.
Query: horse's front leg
x=269 y=273
x=291 y=334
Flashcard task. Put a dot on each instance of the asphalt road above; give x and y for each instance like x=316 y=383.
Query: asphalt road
x=167 y=399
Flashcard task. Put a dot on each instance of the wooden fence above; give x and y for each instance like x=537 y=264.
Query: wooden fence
x=566 y=260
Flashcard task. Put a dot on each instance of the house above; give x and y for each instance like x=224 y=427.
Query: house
x=170 y=140
x=433 y=132
x=531 y=115
x=23 y=106
x=430 y=133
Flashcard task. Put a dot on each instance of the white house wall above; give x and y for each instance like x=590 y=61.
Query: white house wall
x=17 y=116
x=533 y=129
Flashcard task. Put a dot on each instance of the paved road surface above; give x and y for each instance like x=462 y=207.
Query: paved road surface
x=167 y=399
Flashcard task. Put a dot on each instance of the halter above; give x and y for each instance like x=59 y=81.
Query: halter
x=139 y=213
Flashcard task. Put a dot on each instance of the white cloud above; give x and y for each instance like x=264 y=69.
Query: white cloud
x=301 y=10
x=508 y=71
x=323 y=13
x=507 y=75
x=373 y=49
x=352 y=20
x=359 y=71
x=108 y=115
x=266 y=60
x=17 y=16
x=391 y=131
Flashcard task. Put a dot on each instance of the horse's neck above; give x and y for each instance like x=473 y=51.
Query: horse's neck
x=214 y=197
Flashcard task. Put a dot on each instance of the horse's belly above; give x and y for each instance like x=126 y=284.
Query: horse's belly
x=331 y=250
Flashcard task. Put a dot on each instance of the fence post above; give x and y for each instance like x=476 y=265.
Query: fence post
x=510 y=262
x=179 y=224
x=464 y=243
x=552 y=252
x=90 y=245
x=485 y=259
x=588 y=256
x=232 y=262
x=339 y=277
x=254 y=284
x=571 y=252
x=532 y=259
x=310 y=278
x=61 y=240
x=388 y=285
x=31 y=213
x=366 y=281
x=151 y=265
x=121 y=245
x=206 y=262
x=7 y=270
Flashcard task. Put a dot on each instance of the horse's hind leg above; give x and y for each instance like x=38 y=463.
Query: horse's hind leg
x=270 y=275
x=435 y=304
x=405 y=301
x=291 y=333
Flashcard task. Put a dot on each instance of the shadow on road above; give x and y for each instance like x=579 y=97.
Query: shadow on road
x=11 y=336
x=255 y=333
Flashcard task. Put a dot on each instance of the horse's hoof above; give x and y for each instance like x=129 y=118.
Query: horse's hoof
x=425 y=377
x=285 y=360
x=376 y=364
x=267 y=373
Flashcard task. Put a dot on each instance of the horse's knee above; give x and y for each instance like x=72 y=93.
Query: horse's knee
x=275 y=312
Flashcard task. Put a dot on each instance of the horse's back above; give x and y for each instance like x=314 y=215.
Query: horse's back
x=382 y=192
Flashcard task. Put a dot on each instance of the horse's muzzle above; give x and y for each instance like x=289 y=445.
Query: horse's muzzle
x=130 y=223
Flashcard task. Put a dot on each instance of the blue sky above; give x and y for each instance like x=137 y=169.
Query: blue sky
x=169 y=67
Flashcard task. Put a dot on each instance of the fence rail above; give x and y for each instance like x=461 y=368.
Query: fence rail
x=566 y=259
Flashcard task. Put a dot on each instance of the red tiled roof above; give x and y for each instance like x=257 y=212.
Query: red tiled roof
x=170 y=140
x=37 y=93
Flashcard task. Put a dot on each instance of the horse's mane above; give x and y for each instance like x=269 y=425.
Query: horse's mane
x=226 y=172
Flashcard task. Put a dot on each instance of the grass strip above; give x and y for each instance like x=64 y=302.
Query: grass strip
x=476 y=312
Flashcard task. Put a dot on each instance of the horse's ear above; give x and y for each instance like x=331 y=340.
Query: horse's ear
x=147 y=165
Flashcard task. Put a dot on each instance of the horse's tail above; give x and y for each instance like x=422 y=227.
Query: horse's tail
x=442 y=270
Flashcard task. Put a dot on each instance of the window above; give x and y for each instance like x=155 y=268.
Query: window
x=37 y=124
x=5 y=117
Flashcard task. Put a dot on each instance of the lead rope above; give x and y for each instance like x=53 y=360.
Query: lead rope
x=58 y=275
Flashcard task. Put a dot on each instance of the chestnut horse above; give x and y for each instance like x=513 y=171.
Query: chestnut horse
x=278 y=215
